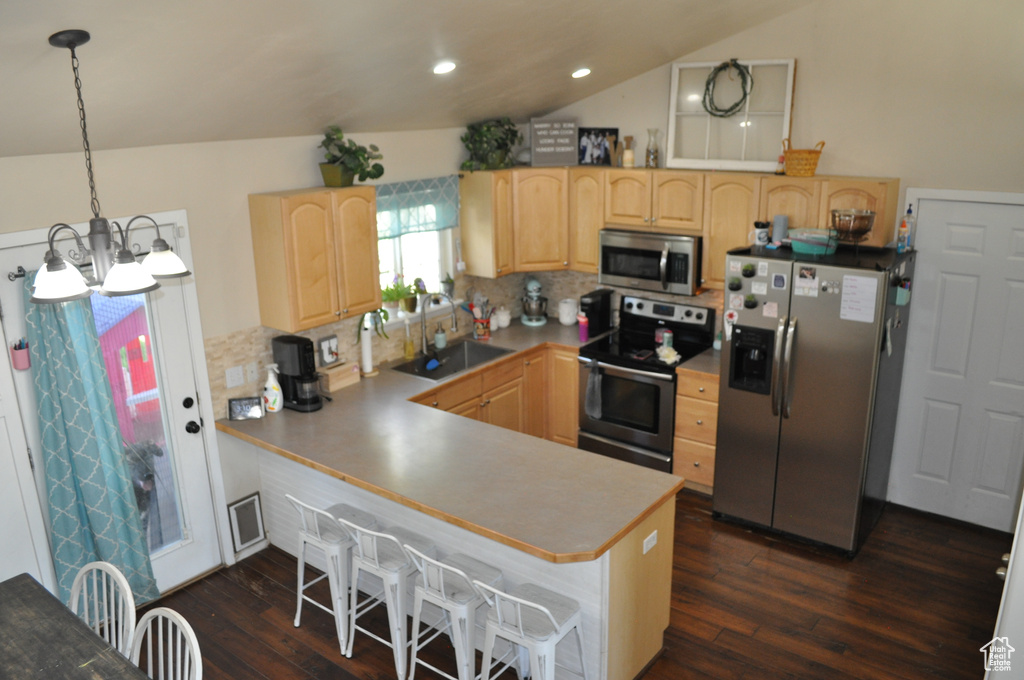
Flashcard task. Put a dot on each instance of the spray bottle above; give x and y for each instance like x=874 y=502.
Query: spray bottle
x=273 y=400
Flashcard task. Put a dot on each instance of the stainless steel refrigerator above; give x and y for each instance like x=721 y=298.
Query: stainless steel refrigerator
x=812 y=362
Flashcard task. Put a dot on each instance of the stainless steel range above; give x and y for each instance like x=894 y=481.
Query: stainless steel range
x=627 y=393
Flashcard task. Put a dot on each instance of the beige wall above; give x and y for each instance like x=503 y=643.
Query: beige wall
x=929 y=91
x=210 y=181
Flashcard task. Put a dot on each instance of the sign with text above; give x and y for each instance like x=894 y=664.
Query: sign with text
x=552 y=142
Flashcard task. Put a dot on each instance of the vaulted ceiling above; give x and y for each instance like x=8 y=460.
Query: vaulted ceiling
x=181 y=71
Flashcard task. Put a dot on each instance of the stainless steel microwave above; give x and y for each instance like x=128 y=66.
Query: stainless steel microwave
x=660 y=262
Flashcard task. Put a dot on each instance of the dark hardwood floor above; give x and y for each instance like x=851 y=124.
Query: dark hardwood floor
x=918 y=601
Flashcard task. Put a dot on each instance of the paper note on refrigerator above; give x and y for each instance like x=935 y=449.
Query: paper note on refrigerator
x=858 y=302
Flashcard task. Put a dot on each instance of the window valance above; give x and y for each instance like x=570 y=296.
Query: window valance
x=417 y=206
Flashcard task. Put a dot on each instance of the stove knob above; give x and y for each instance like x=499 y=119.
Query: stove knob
x=629 y=305
x=700 y=316
x=639 y=305
x=688 y=313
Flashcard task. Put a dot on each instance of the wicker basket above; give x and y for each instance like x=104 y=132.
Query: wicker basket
x=801 y=162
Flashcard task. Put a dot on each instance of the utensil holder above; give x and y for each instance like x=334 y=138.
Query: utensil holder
x=482 y=329
x=20 y=359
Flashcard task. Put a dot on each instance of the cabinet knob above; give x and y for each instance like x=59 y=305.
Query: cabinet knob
x=434 y=404
x=527 y=362
x=696 y=463
x=700 y=389
x=565 y=264
x=338 y=313
x=499 y=270
x=345 y=310
x=700 y=422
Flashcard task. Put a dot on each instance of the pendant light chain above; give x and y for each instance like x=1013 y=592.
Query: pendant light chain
x=95 y=201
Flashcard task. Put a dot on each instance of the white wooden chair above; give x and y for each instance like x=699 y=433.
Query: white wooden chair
x=165 y=646
x=319 y=529
x=101 y=596
x=380 y=554
x=448 y=584
x=535 y=619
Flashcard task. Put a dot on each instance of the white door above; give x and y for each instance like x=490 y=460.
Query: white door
x=960 y=437
x=150 y=345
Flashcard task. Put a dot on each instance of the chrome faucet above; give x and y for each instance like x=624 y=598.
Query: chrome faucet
x=425 y=346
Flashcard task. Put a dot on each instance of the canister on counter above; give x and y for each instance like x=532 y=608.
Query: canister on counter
x=663 y=336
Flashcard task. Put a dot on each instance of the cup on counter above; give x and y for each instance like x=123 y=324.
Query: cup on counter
x=759 y=237
x=567 y=310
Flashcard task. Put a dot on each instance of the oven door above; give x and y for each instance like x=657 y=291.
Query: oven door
x=627 y=405
x=667 y=264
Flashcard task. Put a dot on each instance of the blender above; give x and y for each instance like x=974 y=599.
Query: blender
x=535 y=306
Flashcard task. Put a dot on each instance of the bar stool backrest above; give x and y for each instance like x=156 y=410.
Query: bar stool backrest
x=101 y=596
x=434 y=575
x=510 y=609
x=315 y=522
x=374 y=546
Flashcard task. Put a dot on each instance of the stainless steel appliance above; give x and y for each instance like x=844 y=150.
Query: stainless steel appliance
x=535 y=305
x=660 y=262
x=627 y=394
x=811 y=371
x=296 y=363
x=597 y=307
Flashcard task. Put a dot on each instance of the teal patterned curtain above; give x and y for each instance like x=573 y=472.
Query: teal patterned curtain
x=93 y=515
x=417 y=206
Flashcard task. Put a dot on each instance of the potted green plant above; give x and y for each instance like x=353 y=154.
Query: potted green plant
x=346 y=160
x=398 y=295
x=490 y=144
x=377 y=318
x=448 y=285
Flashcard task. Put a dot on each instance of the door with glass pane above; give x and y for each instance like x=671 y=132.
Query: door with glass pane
x=146 y=341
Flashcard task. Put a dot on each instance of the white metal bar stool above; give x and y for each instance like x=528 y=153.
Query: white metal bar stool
x=380 y=554
x=319 y=529
x=536 y=619
x=448 y=584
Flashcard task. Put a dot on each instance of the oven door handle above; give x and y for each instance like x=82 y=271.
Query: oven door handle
x=663 y=266
x=632 y=371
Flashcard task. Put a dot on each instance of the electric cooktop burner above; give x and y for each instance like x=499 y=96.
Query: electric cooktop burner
x=641 y=323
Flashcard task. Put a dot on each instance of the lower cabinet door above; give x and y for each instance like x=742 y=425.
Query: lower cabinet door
x=503 y=406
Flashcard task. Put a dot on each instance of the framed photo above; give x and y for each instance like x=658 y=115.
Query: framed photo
x=596 y=145
x=246 y=522
x=246 y=408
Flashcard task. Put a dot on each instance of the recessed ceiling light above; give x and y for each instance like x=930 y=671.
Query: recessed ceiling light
x=581 y=73
x=444 y=67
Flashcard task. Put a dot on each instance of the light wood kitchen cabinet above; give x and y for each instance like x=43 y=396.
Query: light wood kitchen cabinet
x=540 y=219
x=880 y=195
x=586 y=218
x=730 y=208
x=503 y=405
x=316 y=255
x=485 y=219
x=696 y=431
x=798 y=198
x=563 y=395
x=535 y=397
x=655 y=200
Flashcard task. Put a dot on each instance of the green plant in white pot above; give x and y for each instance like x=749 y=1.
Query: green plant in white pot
x=346 y=160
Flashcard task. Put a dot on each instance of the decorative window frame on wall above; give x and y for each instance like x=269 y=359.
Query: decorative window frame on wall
x=751 y=139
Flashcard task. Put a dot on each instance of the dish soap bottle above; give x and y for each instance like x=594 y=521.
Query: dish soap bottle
x=410 y=348
x=440 y=339
x=273 y=400
x=907 y=232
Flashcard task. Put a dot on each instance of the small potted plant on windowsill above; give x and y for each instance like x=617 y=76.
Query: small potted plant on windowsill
x=399 y=295
x=346 y=160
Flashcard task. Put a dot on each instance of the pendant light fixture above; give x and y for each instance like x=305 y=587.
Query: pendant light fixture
x=115 y=271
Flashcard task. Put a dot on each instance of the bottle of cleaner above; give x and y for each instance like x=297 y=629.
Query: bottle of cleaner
x=273 y=400
x=908 y=231
x=440 y=339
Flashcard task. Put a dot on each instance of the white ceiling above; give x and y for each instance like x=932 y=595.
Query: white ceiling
x=181 y=71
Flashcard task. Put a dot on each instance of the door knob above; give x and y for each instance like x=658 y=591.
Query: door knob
x=191 y=427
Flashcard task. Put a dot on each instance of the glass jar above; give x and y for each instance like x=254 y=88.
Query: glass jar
x=651 y=157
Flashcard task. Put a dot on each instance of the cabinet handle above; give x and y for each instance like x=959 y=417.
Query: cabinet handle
x=700 y=422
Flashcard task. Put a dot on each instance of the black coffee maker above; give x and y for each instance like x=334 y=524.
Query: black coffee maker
x=296 y=365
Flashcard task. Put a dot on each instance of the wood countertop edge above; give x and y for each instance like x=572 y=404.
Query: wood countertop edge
x=530 y=549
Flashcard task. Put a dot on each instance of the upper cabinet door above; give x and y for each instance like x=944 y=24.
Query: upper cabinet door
x=540 y=219
x=309 y=260
x=730 y=207
x=586 y=217
x=485 y=220
x=502 y=216
x=627 y=197
x=355 y=219
x=798 y=198
x=677 y=201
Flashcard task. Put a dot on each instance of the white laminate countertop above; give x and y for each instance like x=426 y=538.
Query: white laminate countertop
x=552 y=501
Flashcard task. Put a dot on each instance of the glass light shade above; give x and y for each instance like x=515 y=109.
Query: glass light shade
x=128 y=278
x=164 y=264
x=59 y=285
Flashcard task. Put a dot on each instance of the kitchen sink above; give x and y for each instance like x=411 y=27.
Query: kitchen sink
x=454 y=358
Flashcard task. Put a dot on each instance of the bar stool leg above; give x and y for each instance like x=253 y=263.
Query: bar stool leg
x=394 y=594
x=337 y=578
x=579 y=643
x=485 y=670
x=301 y=580
x=417 y=612
x=460 y=632
x=352 y=603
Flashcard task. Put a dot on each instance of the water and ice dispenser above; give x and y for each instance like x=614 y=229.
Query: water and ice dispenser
x=750 y=368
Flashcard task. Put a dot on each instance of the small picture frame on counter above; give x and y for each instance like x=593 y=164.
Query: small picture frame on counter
x=246 y=408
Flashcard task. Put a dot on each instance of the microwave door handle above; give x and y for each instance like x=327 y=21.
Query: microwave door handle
x=780 y=336
x=663 y=267
x=787 y=385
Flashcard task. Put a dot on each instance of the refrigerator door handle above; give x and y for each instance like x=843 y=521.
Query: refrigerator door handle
x=787 y=378
x=776 y=393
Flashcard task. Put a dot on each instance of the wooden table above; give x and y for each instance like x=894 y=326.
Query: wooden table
x=41 y=638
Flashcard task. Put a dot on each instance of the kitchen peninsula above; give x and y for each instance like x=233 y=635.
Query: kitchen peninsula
x=596 y=529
